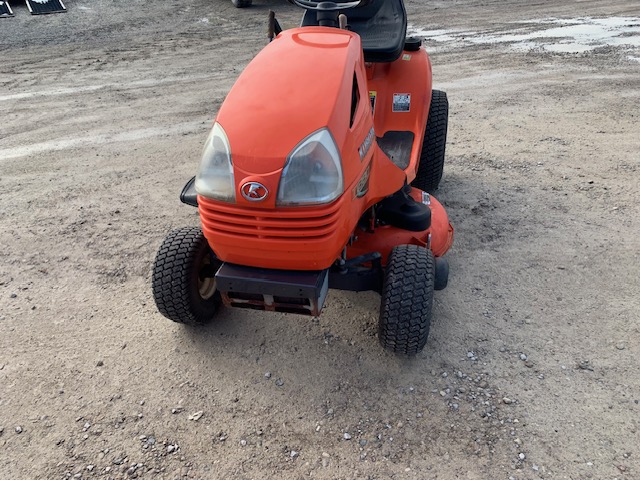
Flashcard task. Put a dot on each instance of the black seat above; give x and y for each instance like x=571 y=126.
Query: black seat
x=382 y=26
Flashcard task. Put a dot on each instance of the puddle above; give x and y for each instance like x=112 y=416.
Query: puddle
x=576 y=35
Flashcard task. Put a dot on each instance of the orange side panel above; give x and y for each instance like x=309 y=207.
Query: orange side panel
x=409 y=75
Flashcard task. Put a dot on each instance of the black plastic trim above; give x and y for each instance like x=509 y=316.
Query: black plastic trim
x=188 y=194
x=402 y=211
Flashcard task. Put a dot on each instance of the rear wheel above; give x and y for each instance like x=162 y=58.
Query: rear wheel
x=183 y=283
x=433 y=147
x=241 y=3
x=407 y=299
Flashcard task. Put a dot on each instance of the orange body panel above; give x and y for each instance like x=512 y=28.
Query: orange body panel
x=411 y=74
x=302 y=82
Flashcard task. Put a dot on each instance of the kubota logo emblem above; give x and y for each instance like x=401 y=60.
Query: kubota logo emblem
x=254 y=191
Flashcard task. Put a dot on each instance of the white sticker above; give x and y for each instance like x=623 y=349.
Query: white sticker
x=401 y=102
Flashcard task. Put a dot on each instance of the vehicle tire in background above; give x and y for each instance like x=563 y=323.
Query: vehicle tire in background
x=242 y=3
x=434 y=144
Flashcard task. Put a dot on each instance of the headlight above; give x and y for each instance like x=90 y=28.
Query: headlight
x=215 y=176
x=313 y=172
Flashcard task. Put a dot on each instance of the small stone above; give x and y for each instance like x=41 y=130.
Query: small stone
x=100 y=363
x=86 y=427
x=470 y=355
x=535 y=467
x=176 y=410
x=507 y=401
x=243 y=442
x=325 y=455
x=267 y=375
x=196 y=416
x=279 y=382
x=522 y=456
x=523 y=357
x=346 y=436
x=19 y=429
x=621 y=346
x=585 y=365
x=13 y=295
x=131 y=471
x=151 y=440
x=171 y=448
x=622 y=468
x=444 y=375
x=91 y=467
x=363 y=443
x=294 y=454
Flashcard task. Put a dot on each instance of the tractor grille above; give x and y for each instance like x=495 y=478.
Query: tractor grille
x=289 y=224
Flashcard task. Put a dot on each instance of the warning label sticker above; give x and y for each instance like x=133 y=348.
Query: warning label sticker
x=401 y=102
x=372 y=96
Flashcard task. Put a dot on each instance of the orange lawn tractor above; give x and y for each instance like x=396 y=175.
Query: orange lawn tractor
x=317 y=175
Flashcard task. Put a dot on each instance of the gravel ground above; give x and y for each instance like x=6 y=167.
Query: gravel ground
x=531 y=370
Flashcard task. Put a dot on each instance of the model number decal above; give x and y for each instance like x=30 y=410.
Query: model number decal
x=401 y=102
x=366 y=145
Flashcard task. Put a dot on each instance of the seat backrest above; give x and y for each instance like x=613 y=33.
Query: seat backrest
x=382 y=26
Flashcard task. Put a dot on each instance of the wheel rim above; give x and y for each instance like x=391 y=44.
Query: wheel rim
x=206 y=285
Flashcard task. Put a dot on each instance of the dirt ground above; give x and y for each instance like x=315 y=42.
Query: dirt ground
x=531 y=370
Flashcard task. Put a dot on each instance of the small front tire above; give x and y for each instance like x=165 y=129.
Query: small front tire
x=183 y=282
x=407 y=300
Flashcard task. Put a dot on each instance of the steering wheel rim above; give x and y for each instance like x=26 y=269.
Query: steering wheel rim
x=311 y=5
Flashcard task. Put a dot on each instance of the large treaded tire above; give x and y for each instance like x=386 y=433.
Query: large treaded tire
x=407 y=299
x=242 y=3
x=176 y=281
x=433 y=147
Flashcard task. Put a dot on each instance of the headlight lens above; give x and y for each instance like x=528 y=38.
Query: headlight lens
x=313 y=172
x=215 y=175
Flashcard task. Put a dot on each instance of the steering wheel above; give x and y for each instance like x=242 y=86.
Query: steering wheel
x=328 y=6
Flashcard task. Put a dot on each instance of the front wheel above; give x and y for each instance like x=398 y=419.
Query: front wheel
x=183 y=284
x=407 y=299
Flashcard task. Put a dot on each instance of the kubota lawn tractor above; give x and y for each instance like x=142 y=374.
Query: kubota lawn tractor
x=317 y=175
